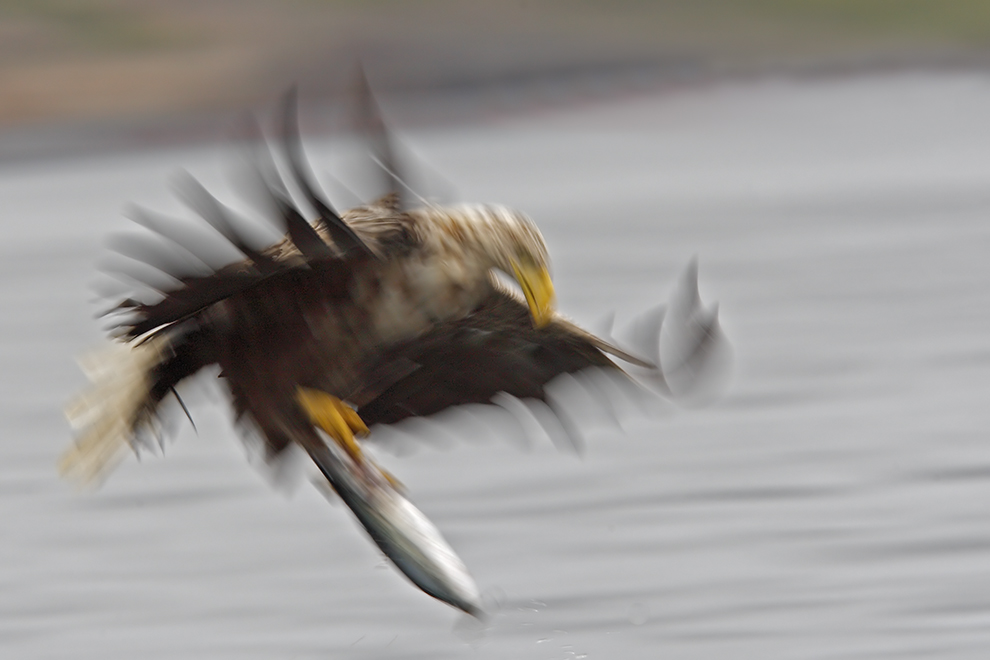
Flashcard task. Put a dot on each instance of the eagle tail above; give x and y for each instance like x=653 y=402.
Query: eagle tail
x=129 y=382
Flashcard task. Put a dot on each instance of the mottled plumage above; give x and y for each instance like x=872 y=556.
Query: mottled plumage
x=386 y=311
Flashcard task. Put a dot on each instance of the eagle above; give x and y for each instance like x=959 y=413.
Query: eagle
x=352 y=319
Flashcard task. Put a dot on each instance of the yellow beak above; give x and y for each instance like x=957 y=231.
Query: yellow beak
x=538 y=288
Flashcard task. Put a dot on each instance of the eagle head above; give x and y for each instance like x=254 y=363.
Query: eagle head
x=488 y=237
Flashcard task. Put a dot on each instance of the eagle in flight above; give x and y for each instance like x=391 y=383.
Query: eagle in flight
x=368 y=317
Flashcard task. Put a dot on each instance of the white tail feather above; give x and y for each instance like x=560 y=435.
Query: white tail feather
x=107 y=415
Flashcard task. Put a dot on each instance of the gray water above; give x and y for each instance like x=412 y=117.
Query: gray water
x=833 y=504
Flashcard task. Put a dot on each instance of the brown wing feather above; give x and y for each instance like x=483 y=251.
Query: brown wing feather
x=303 y=249
x=343 y=236
x=494 y=349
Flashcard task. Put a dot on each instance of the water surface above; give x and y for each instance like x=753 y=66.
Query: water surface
x=832 y=505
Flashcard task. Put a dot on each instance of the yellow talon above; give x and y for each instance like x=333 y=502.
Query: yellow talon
x=335 y=417
x=353 y=421
x=340 y=422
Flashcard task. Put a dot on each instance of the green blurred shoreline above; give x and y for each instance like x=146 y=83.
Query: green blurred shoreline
x=90 y=76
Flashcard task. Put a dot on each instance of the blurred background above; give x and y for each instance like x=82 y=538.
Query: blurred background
x=826 y=161
x=107 y=73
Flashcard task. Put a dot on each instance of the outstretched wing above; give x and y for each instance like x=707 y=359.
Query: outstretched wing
x=496 y=349
x=303 y=248
x=470 y=360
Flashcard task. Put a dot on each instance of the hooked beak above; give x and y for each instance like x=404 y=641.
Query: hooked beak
x=538 y=289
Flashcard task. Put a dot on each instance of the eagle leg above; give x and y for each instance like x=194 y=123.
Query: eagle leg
x=340 y=422
x=335 y=418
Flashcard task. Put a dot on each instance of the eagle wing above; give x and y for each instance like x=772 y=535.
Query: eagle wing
x=470 y=360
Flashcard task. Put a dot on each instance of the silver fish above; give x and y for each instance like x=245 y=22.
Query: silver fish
x=402 y=531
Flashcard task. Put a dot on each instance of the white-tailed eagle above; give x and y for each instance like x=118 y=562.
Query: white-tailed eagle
x=368 y=317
